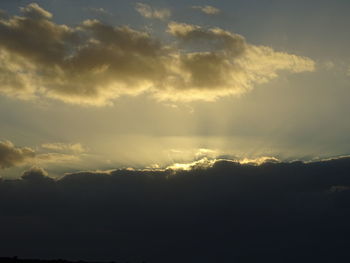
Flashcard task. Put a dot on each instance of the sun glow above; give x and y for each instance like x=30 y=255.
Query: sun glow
x=203 y=163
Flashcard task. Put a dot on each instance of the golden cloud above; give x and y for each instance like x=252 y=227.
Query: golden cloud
x=95 y=63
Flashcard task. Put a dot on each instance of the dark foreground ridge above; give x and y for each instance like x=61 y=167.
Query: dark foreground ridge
x=275 y=212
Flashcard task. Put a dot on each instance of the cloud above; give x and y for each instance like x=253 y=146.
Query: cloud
x=95 y=63
x=259 y=160
x=51 y=153
x=35 y=12
x=208 y=9
x=60 y=153
x=328 y=65
x=66 y=147
x=55 y=158
x=36 y=175
x=227 y=65
x=202 y=163
x=225 y=211
x=149 y=12
x=10 y=155
x=98 y=11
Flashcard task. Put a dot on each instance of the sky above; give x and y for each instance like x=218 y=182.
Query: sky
x=98 y=85
x=175 y=131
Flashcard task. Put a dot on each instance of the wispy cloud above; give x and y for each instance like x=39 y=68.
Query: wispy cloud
x=207 y=9
x=149 y=12
x=56 y=158
x=70 y=147
x=98 y=11
x=348 y=71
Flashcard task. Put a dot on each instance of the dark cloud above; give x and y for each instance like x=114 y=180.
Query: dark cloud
x=10 y=155
x=36 y=175
x=228 y=212
x=95 y=63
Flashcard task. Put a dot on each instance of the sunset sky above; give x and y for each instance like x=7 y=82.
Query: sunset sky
x=96 y=85
x=173 y=131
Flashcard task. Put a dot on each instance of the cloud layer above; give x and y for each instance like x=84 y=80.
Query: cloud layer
x=95 y=63
x=225 y=212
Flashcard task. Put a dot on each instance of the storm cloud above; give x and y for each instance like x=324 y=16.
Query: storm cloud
x=225 y=212
x=95 y=63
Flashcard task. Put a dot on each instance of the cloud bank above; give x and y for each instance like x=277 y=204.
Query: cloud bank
x=95 y=63
x=225 y=212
